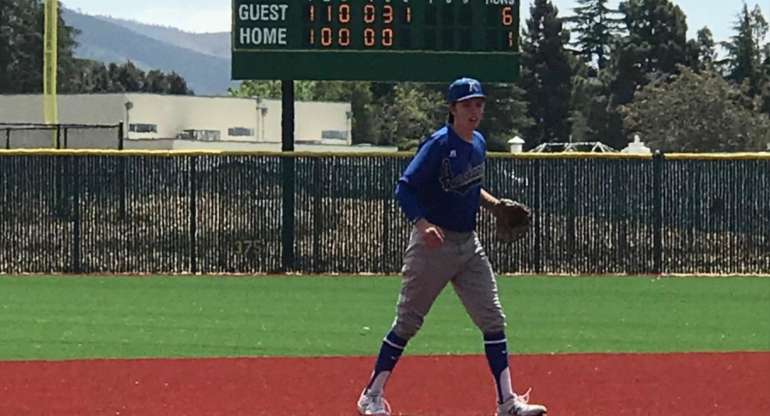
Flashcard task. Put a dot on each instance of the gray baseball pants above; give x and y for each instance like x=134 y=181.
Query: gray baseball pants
x=460 y=260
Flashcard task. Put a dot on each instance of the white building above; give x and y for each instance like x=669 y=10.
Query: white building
x=187 y=122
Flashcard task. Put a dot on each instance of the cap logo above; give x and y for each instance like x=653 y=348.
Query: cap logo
x=474 y=86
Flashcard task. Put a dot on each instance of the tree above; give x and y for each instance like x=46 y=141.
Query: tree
x=95 y=78
x=696 y=112
x=100 y=79
x=21 y=59
x=364 y=106
x=546 y=74
x=129 y=76
x=156 y=82
x=83 y=80
x=653 y=48
x=702 y=50
x=25 y=66
x=21 y=48
x=365 y=112
x=409 y=113
x=270 y=89
x=8 y=13
x=585 y=90
x=505 y=115
x=177 y=85
x=596 y=30
x=68 y=69
x=744 y=50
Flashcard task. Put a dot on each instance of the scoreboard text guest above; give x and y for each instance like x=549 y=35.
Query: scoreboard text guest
x=263 y=13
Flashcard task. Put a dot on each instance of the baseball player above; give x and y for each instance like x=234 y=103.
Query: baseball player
x=440 y=192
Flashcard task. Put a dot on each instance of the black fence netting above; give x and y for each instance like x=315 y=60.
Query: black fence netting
x=156 y=212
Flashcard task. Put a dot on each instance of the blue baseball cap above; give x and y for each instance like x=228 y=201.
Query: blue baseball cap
x=464 y=89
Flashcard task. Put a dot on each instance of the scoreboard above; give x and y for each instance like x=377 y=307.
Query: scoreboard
x=396 y=40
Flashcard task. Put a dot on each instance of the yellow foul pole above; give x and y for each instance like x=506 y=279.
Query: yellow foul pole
x=50 y=65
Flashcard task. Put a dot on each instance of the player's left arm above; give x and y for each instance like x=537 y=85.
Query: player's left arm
x=488 y=201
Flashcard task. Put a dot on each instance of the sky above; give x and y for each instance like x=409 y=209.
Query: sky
x=214 y=15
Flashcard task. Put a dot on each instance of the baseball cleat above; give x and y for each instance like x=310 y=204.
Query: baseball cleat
x=373 y=405
x=519 y=405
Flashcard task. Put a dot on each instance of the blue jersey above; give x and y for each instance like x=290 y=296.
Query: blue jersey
x=443 y=182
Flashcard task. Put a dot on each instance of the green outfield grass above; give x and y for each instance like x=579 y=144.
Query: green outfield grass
x=128 y=317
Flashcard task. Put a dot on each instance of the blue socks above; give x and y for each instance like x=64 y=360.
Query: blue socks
x=390 y=352
x=496 y=349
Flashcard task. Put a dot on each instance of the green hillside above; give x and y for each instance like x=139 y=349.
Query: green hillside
x=103 y=40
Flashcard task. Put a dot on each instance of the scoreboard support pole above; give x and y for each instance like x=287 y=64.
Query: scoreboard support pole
x=287 y=174
x=287 y=115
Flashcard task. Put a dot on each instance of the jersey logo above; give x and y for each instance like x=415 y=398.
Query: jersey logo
x=462 y=182
x=453 y=154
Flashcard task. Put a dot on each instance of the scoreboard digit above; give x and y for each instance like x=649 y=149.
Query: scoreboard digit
x=398 y=40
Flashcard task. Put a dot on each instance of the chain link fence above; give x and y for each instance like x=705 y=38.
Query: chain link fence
x=183 y=212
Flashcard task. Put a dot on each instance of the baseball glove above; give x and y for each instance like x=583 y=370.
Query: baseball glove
x=513 y=220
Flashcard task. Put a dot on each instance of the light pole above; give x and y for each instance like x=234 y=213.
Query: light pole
x=129 y=105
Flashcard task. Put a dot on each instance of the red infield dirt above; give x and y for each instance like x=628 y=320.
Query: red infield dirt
x=606 y=384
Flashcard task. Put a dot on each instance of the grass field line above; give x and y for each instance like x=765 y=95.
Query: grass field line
x=75 y=317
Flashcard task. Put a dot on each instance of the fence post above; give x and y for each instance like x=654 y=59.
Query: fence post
x=122 y=187
x=287 y=173
x=58 y=183
x=193 y=215
x=657 y=163
x=58 y=136
x=76 y=263
x=287 y=226
x=571 y=211
x=66 y=136
x=387 y=170
x=120 y=136
x=537 y=208
x=122 y=175
x=621 y=202
x=318 y=201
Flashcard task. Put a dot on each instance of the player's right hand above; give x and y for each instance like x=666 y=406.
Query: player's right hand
x=432 y=235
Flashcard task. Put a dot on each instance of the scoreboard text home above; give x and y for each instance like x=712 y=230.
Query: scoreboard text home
x=398 y=40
